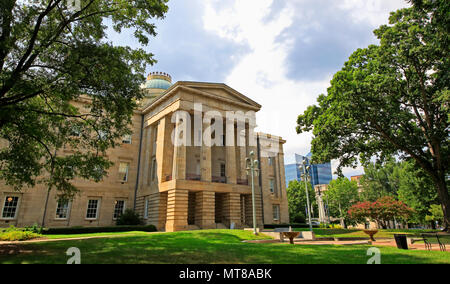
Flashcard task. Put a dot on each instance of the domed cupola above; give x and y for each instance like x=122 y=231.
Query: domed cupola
x=158 y=81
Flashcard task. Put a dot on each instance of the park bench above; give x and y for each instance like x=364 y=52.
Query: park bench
x=427 y=240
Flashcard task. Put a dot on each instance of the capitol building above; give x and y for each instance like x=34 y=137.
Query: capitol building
x=175 y=186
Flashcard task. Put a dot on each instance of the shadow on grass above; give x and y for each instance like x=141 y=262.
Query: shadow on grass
x=209 y=247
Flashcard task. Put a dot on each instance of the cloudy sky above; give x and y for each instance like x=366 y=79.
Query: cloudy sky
x=280 y=53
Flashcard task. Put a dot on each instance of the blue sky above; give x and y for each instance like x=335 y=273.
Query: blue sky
x=280 y=53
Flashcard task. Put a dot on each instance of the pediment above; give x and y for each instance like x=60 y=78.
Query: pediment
x=221 y=92
x=216 y=91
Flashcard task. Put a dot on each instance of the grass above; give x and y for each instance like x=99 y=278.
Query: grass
x=355 y=233
x=115 y=234
x=207 y=247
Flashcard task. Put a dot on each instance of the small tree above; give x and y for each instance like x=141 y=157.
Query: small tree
x=342 y=194
x=436 y=215
x=296 y=195
x=129 y=218
x=381 y=211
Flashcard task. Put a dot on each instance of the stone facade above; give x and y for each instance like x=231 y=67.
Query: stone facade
x=175 y=186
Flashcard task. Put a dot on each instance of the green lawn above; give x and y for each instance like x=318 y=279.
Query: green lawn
x=116 y=234
x=207 y=247
x=346 y=233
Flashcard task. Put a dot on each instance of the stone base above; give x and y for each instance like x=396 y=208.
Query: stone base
x=308 y=235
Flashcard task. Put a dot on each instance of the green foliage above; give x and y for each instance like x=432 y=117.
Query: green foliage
x=129 y=218
x=391 y=99
x=417 y=191
x=34 y=229
x=51 y=58
x=296 y=196
x=402 y=180
x=435 y=214
x=341 y=195
x=93 y=230
x=292 y=225
x=15 y=234
x=380 y=179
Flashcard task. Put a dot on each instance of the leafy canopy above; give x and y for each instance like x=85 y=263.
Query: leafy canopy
x=391 y=99
x=52 y=58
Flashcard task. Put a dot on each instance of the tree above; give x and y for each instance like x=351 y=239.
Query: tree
x=296 y=196
x=381 y=211
x=391 y=99
x=341 y=195
x=416 y=190
x=62 y=85
x=435 y=214
x=380 y=180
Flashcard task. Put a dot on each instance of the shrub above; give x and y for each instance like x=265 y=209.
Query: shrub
x=129 y=218
x=95 y=230
x=293 y=225
x=15 y=234
x=34 y=229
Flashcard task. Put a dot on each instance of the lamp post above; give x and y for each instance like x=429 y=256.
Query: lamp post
x=305 y=175
x=252 y=170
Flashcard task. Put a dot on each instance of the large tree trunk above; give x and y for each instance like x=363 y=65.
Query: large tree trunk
x=444 y=197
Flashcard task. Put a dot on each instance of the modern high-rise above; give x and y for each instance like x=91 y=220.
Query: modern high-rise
x=320 y=173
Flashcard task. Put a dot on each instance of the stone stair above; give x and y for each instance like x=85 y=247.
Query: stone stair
x=193 y=227
x=221 y=226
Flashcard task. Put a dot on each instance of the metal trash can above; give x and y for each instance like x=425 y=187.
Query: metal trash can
x=401 y=241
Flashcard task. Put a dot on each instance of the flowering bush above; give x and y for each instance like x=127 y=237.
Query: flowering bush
x=381 y=211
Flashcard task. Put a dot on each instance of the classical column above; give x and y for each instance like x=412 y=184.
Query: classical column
x=164 y=149
x=242 y=154
x=230 y=153
x=205 y=210
x=177 y=210
x=205 y=153
x=179 y=149
x=147 y=145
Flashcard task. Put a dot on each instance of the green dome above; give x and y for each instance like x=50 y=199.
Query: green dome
x=157 y=84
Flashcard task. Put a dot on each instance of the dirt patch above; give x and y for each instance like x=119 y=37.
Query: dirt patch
x=14 y=249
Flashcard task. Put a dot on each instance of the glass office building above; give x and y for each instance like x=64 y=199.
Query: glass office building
x=320 y=174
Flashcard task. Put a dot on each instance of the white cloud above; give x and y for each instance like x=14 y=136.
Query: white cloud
x=375 y=12
x=262 y=73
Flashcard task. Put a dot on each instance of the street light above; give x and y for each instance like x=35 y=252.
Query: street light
x=305 y=175
x=253 y=169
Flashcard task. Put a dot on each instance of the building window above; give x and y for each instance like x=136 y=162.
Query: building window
x=119 y=208
x=272 y=185
x=126 y=139
x=271 y=161
x=62 y=209
x=10 y=207
x=222 y=170
x=153 y=170
x=92 y=209
x=146 y=208
x=276 y=212
x=123 y=171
